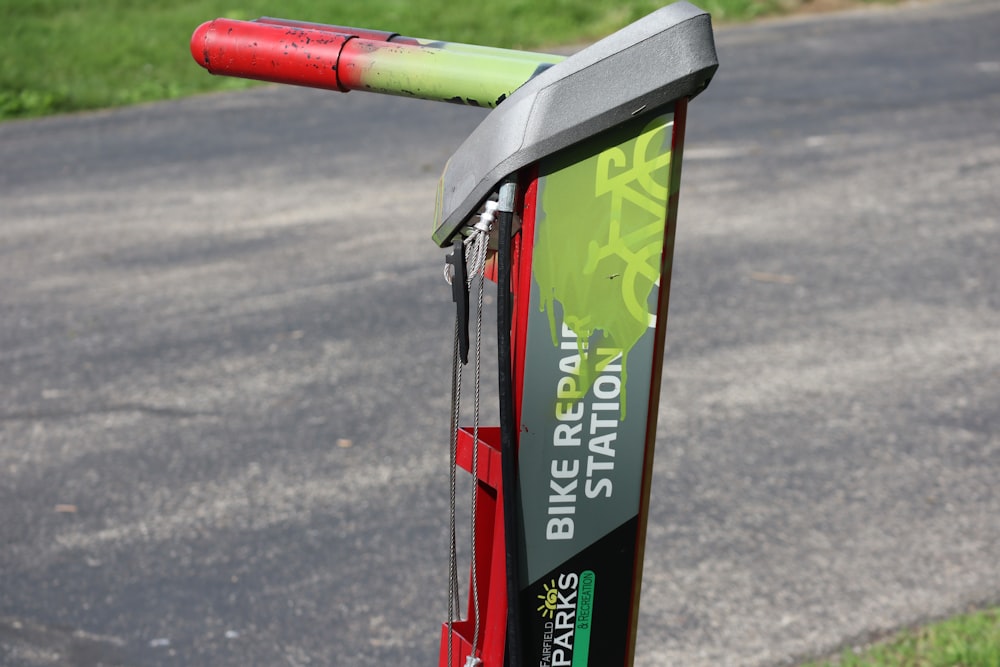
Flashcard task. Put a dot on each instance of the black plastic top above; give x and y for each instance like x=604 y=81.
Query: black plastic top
x=642 y=68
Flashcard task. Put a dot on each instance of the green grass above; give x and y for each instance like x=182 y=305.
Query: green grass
x=68 y=55
x=971 y=640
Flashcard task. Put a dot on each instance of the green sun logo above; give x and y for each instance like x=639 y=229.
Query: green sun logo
x=549 y=599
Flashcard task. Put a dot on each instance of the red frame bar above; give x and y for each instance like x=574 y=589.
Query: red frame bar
x=488 y=542
x=488 y=552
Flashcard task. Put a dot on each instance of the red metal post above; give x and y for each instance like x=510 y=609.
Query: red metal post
x=250 y=50
x=321 y=56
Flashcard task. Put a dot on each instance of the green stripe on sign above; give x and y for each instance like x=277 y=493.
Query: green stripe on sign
x=584 y=610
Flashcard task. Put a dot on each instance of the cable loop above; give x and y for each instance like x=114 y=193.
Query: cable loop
x=476 y=249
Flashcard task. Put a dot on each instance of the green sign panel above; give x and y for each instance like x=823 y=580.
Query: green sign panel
x=598 y=258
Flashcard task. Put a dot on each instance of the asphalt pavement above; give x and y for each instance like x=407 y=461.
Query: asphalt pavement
x=225 y=344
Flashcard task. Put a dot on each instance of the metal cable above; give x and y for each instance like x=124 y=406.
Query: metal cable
x=479 y=260
x=475 y=250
